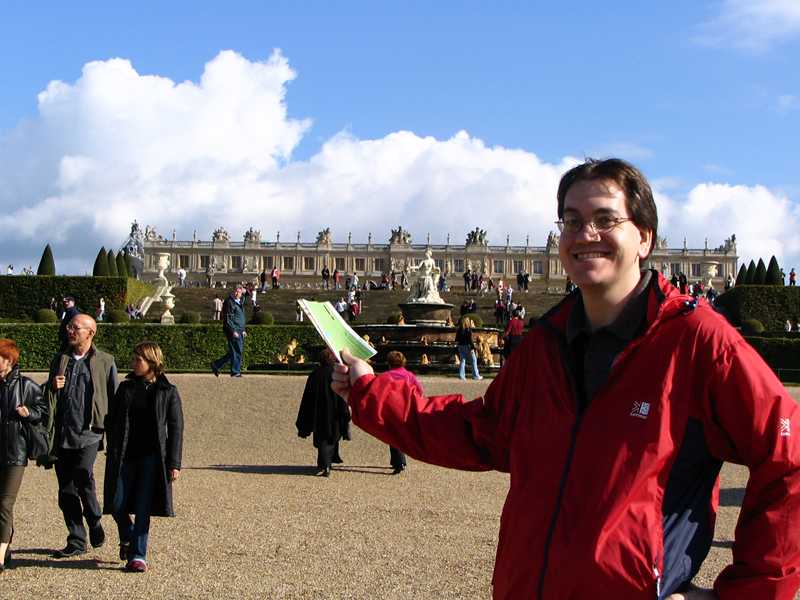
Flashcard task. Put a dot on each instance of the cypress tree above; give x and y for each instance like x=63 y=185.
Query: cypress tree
x=761 y=273
x=47 y=266
x=101 y=264
x=112 y=264
x=741 y=278
x=774 y=276
x=122 y=267
x=751 y=273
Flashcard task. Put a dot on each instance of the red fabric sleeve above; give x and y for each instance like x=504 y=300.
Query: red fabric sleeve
x=441 y=430
x=752 y=420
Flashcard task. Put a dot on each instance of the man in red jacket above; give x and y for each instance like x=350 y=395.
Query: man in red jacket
x=613 y=417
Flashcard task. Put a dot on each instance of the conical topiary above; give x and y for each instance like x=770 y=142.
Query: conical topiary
x=774 y=276
x=751 y=273
x=741 y=278
x=47 y=266
x=761 y=273
x=101 y=264
x=122 y=265
x=112 y=264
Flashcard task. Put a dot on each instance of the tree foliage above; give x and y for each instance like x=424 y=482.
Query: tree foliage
x=112 y=264
x=751 y=273
x=741 y=278
x=101 y=264
x=774 y=276
x=761 y=273
x=47 y=266
x=122 y=265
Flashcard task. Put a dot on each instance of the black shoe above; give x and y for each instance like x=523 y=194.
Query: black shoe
x=68 y=551
x=326 y=472
x=398 y=469
x=124 y=551
x=97 y=537
x=236 y=374
x=214 y=370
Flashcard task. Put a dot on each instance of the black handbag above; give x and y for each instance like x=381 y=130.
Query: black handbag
x=35 y=434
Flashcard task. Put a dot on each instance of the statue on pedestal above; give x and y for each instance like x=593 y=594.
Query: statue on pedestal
x=423 y=290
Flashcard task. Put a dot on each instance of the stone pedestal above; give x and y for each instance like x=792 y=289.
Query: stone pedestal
x=423 y=313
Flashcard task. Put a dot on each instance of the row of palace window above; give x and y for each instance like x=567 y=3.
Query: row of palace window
x=379 y=265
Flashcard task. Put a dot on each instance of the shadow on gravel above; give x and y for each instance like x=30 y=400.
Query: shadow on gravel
x=731 y=496
x=262 y=469
x=19 y=560
x=722 y=544
x=308 y=471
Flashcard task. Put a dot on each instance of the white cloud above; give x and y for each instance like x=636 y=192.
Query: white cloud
x=751 y=25
x=117 y=145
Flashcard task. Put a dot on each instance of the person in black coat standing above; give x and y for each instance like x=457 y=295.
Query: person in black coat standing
x=325 y=414
x=145 y=444
x=21 y=404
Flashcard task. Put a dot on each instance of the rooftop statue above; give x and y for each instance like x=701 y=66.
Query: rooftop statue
x=220 y=235
x=134 y=245
x=324 y=237
x=400 y=236
x=477 y=237
x=252 y=235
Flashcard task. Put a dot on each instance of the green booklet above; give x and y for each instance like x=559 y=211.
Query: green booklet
x=334 y=330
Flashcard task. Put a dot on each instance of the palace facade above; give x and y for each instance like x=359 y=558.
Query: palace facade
x=302 y=262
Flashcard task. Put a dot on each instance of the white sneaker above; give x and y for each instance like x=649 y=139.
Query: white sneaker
x=478 y=378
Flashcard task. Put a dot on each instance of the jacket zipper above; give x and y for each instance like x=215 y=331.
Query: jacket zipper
x=564 y=473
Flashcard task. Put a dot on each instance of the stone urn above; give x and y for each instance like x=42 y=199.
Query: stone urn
x=168 y=299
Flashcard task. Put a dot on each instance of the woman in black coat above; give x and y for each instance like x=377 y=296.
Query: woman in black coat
x=145 y=442
x=21 y=405
x=323 y=413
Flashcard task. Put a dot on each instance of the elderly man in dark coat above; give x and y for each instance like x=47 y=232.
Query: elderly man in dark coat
x=324 y=414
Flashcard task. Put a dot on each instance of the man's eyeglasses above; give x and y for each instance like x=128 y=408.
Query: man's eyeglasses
x=72 y=327
x=600 y=224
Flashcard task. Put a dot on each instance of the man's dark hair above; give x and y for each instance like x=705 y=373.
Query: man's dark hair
x=638 y=195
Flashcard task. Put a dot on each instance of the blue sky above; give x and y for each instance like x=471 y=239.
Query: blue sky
x=704 y=97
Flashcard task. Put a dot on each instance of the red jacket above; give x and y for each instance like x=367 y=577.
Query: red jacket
x=620 y=500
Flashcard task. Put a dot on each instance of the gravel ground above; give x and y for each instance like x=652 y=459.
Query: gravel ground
x=254 y=522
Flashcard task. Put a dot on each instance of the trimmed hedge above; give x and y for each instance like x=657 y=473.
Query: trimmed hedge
x=46 y=315
x=21 y=296
x=782 y=354
x=771 y=305
x=186 y=347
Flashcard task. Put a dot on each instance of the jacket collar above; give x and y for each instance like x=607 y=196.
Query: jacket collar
x=663 y=301
x=161 y=381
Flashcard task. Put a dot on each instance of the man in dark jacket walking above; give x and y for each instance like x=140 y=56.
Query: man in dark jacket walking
x=69 y=313
x=233 y=322
x=324 y=414
x=83 y=379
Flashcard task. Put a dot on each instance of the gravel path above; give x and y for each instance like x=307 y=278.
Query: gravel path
x=254 y=522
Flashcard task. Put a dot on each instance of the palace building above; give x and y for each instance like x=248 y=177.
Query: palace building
x=302 y=262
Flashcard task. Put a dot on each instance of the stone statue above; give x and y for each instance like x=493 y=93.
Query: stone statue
x=729 y=245
x=477 y=237
x=134 y=245
x=324 y=237
x=423 y=290
x=220 y=235
x=150 y=234
x=400 y=236
x=252 y=235
x=553 y=240
x=661 y=243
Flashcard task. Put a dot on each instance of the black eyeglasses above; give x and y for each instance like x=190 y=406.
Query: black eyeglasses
x=600 y=224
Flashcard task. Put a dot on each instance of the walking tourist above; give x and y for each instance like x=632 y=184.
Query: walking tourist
x=513 y=333
x=326 y=278
x=275 y=275
x=466 y=349
x=216 y=305
x=792 y=277
x=145 y=445
x=66 y=318
x=262 y=279
x=233 y=324
x=21 y=406
x=323 y=414
x=83 y=379
x=398 y=372
x=614 y=417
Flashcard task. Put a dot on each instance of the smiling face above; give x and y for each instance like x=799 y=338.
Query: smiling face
x=600 y=261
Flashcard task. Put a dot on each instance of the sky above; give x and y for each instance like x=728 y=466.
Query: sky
x=362 y=116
